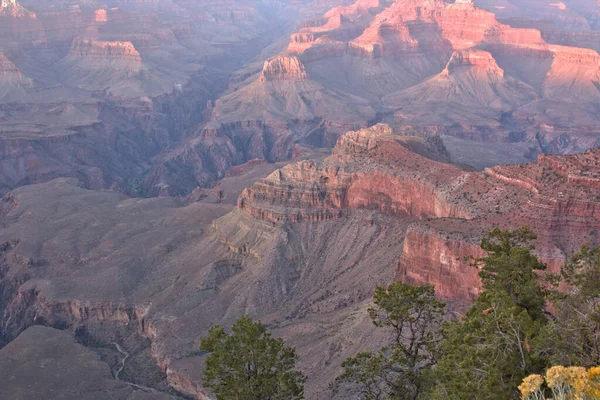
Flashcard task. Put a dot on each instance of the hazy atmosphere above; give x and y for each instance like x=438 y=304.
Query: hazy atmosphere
x=402 y=196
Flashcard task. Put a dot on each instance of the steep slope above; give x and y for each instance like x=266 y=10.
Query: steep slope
x=284 y=92
x=574 y=75
x=287 y=108
x=98 y=65
x=356 y=64
x=185 y=278
x=452 y=209
x=12 y=81
x=431 y=67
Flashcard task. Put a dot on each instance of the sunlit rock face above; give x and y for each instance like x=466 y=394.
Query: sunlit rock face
x=474 y=70
x=462 y=68
x=273 y=190
x=452 y=210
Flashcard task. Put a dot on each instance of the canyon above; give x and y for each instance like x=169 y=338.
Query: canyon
x=168 y=89
x=98 y=92
x=168 y=165
x=466 y=70
x=301 y=249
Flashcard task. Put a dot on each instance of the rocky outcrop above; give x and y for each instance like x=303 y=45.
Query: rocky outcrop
x=19 y=24
x=27 y=307
x=473 y=58
x=357 y=7
x=387 y=35
x=451 y=209
x=574 y=74
x=368 y=170
x=283 y=68
x=10 y=75
x=472 y=82
x=434 y=257
x=12 y=8
x=103 y=54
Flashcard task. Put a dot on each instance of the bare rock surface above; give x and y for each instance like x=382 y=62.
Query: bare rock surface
x=254 y=127
x=98 y=91
x=452 y=209
x=160 y=98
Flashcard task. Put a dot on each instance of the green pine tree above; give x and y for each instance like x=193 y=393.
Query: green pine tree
x=250 y=364
x=501 y=338
x=413 y=315
x=576 y=328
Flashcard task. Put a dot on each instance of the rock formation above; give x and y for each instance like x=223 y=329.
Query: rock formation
x=99 y=65
x=102 y=55
x=302 y=251
x=574 y=74
x=348 y=67
x=11 y=8
x=283 y=68
x=310 y=191
x=452 y=209
x=84 y=87
x=471 y=84
x=201 y=99
x=12 y=81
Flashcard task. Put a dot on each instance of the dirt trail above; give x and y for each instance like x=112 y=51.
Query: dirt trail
x=122 y=366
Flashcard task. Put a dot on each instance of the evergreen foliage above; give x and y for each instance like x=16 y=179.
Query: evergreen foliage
x=575 y=330
x=413 y=316
x=519 y=329
x=250 y=364
x=500 y=340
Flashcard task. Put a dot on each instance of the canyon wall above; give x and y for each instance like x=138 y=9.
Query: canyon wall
x=452 y=210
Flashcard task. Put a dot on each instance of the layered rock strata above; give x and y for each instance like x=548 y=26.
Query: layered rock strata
x=452 y=209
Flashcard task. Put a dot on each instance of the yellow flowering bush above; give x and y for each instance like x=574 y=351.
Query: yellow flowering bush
x=565 y=383
x=594 y=383
x=531 y=388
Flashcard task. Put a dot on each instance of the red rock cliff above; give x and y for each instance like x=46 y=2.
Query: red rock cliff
x=452 y=210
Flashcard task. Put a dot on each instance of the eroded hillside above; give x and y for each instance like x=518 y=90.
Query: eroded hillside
x=302 y=251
